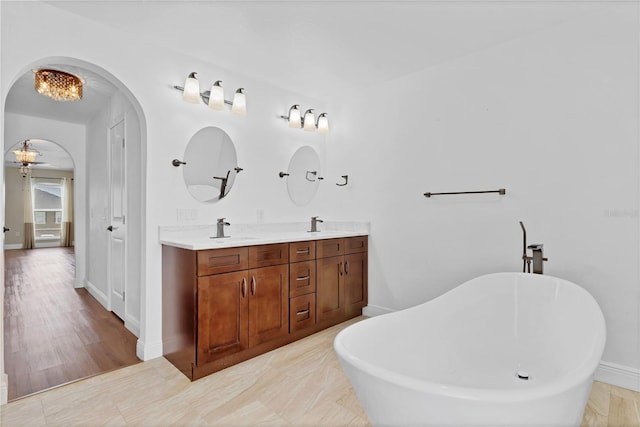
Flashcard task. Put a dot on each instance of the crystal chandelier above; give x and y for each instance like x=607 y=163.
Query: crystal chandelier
x=25 y=155
x=58 y=85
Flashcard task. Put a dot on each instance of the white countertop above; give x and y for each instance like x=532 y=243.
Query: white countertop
x=199 y=237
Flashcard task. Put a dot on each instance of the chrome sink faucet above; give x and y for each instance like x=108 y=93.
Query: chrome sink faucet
x=220 y=228
x=314 y=224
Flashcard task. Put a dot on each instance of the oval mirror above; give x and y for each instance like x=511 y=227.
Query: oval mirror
x=210 y=165
x=304 y=175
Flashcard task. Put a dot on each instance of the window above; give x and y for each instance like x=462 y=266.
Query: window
x=47 y=208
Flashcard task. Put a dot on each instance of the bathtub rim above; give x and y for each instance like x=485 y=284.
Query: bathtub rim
x=573 y=379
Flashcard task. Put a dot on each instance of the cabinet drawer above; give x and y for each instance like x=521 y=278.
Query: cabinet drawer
x=354 y=245
x=216 y=261
x=329 y=247
x=266 y=255
x=302 y=312
x=302 y=278
x=302 y=251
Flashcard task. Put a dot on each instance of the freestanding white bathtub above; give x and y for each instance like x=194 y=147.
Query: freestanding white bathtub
x=463 y=358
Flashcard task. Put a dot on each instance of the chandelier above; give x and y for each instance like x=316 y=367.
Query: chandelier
x=58 y=85
x=25 y=155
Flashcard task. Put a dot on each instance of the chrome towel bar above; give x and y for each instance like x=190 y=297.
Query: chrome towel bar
x=499 y=191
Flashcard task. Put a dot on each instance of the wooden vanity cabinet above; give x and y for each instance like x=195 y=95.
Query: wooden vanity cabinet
x=342 y=278
x=223 y=306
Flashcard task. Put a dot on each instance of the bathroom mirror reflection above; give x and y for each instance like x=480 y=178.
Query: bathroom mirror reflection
x=304 y=175
x=210 y=165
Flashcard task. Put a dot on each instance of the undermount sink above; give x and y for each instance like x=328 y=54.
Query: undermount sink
x=230 y=238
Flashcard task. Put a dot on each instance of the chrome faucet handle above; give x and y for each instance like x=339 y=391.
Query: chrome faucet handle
x=221 y=221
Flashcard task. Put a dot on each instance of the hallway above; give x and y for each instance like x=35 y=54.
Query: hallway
x=53 y=333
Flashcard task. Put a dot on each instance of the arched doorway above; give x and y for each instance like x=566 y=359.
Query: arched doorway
x=83 y=132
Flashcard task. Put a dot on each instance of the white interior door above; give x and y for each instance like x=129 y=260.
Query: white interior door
x=117 y=230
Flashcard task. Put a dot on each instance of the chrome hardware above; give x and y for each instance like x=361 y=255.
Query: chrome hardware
x=300 y=313
x=314 y=224
x=346 y=181
x=220 y=228
x=300 y=279
x=537 y=258
x=501 y=191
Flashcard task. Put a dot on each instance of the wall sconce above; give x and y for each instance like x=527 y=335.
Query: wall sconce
x=307 y=121
x=214 y=98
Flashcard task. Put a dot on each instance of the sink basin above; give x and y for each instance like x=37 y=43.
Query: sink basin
x=230 y=239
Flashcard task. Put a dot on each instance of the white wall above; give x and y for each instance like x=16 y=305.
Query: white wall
x=71 y=137
x=553 y=118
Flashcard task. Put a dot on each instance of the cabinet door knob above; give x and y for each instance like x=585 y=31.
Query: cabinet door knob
x=244 y=287
x=253 y=285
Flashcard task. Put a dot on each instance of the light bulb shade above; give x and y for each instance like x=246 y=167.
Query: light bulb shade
x=309 y=123
x=239 y=105
x=323 y=124
x=295 y=119
x=216 y=97
x=191 y=91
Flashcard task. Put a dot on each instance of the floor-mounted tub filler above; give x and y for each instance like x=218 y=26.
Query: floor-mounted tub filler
x=505 y=349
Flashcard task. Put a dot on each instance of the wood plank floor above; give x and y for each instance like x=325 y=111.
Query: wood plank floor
x=300 y=384
x=53 y=333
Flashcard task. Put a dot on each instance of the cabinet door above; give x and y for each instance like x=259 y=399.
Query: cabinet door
x=330 y=289
x=268 y=303
x=355 y=283
x=223 y=315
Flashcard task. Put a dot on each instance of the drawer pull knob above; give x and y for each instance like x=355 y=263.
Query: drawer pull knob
x=302 y=251
x=300 y=279
x=300 y=313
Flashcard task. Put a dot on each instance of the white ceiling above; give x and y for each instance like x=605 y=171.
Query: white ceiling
x=320 y=48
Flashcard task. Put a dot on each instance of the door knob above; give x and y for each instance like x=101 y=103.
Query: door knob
x=111 y=228
x=5 y=229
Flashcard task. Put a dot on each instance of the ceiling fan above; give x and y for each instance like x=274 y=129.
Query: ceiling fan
x=26 y=155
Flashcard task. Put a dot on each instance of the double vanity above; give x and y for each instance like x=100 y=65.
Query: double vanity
x=228 y=300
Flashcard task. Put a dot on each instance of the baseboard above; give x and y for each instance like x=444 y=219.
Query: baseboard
x=98 y=295
x=133 y=325
x=45 y=244
x=9 y=246
x=148 y=351
x=618 y=375
x=80 y=283
x=4 y=389
x=376 y=310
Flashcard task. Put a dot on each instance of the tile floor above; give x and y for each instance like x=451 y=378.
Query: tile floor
x=297 y=385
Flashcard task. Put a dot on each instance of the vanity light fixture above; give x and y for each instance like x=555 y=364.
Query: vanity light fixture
x=214 y=98
x=307 y=121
